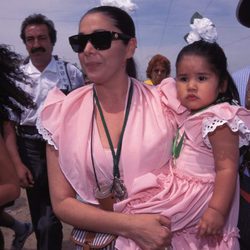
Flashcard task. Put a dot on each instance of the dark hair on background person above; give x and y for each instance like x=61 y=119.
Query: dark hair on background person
x=123 y=22
x=9 y=74
x=38 y=19
x=217 y=60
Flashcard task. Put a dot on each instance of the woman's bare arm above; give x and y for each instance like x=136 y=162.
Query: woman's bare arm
x=9 y=184
x=148 y=231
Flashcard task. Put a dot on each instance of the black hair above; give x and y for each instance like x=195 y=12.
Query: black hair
x=38 y=19
x=216 y=57
x=9 y=74
x=123 y=21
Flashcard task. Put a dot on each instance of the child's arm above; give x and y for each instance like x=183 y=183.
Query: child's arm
x=225 y=146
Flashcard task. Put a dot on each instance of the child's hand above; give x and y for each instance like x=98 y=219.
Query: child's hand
x=211 y=223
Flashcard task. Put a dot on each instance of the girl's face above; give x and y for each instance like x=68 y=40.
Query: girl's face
x=197 y=83
x=104 y=65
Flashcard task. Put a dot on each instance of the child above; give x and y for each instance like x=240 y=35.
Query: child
x=199 y=189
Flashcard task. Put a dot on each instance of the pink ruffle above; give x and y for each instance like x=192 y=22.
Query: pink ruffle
x=188 y=239
x=170 y=103
x=236 y=117
x=166 y=182
x=184 y=177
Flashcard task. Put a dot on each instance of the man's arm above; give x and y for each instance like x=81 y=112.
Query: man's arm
x=75 y=76
x=24 y=174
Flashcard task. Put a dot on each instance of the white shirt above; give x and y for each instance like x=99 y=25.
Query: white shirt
x=41 y=82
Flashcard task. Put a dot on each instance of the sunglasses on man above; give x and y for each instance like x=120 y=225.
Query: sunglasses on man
x=100 y=40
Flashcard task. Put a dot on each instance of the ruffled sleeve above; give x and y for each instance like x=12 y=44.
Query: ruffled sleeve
x=236 y=118
x=170 y=103
x=66 y=123
x=49 y=119
x=60 y=114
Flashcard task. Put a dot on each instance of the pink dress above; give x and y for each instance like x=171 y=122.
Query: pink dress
x=66 y=122
x=182 y=190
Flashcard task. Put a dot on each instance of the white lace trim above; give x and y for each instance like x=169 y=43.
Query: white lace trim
x=47 y=136
x=211 y=123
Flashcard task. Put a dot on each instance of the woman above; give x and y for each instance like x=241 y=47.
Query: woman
x=158 y=68
x=9 y=187
x=88 y=127
x=11 y=97
x=9 y=73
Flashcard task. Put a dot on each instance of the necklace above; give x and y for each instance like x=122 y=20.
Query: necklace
x=117 y=187
x=177 y=144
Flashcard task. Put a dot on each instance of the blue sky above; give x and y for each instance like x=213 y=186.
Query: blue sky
x=160 y=24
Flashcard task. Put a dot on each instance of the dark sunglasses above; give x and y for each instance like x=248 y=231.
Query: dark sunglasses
x=100 y=40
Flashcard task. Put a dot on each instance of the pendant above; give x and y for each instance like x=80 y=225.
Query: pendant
x=119 y=189
x=104 y=191
x=105 y=197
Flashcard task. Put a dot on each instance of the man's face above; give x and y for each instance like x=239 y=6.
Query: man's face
x=38 y=43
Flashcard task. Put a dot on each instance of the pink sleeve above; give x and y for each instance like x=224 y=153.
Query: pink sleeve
x=49 y=119
x=171 y=105
x=236 y=118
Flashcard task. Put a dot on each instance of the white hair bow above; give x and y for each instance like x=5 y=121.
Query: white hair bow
x=126 y=5
x=202 y=29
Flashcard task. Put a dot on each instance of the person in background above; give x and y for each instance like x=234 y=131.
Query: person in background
x=158 y=68
x=105 y=134
x=11 y=97
x=9 y=186
x=242 y=80
x=199 y=190
x=26 y=147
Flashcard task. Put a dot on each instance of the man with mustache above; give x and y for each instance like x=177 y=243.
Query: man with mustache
x=25 y=145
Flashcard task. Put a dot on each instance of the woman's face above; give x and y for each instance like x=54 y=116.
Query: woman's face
x=103 y=65
x=158 y=73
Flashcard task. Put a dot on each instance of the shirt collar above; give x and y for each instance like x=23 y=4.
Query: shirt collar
x=51 y=67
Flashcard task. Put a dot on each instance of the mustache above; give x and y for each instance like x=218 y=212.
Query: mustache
x=39 y=49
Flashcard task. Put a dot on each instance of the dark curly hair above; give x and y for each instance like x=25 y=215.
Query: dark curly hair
x=11 y=95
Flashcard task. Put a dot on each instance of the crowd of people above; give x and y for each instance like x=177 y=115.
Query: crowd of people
x=129 y=164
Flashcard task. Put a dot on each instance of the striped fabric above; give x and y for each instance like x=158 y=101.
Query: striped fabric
x=241 y=78
x=101 y=241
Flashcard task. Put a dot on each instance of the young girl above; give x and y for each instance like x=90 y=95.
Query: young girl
x=199 y=190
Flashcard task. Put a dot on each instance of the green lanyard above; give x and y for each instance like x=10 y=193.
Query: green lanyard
x=176 y=148
x=116 y=156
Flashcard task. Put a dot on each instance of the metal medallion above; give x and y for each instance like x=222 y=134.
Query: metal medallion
x=119 y=189
x=104 y=191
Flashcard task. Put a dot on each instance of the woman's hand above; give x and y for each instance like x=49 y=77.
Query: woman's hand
x=150 y=231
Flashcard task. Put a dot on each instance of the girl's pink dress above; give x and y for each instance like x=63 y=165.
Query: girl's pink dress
x=182 y=190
